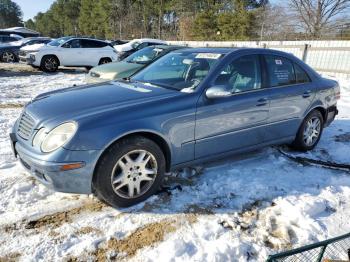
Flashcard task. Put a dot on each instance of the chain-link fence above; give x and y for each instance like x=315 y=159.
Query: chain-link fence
x=331 y=250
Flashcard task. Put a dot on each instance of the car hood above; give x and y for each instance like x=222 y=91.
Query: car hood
x=76 y=102
x=117 y=67
x=9 y=46
x=123 y=47
x=32 y=47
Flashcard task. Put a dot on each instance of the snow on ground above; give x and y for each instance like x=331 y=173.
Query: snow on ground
x=239 y=209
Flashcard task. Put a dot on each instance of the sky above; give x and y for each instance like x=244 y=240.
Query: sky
x=31 y=7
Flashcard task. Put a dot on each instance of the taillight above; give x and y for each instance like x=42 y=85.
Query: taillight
x=337 y=95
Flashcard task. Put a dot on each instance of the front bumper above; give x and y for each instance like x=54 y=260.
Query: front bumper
x=48 y=171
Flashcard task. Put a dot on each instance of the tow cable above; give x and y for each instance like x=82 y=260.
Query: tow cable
x=315 y=162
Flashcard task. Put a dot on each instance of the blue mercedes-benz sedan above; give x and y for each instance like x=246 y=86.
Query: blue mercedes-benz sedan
x=118 y=139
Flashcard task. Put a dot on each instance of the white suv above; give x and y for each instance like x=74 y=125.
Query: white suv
x=72 y=52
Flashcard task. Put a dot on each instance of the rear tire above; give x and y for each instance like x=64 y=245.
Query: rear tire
x=49 y=63
x=129 y=172
x=309 y=132
x=105 y=60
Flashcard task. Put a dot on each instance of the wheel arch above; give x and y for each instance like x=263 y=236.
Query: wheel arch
x=105 y=57
x=157 y=138
x=319 y=108
x=41 y=60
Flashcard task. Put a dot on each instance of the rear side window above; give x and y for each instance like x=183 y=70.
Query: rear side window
x=280 y=71
x=301 y=75
x=93 y=44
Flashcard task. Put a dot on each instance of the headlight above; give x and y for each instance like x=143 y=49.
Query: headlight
x=58 y=136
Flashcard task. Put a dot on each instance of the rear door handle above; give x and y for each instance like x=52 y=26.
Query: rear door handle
x=307 y=94
x=262 y=102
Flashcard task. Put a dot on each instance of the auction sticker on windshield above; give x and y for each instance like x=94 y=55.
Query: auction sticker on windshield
x=208 y=55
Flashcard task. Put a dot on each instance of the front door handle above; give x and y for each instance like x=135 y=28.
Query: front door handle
x=307 y=94
x=262 y=102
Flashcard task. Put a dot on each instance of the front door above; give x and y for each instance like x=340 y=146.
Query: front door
x=237 y=121
x=72 y=53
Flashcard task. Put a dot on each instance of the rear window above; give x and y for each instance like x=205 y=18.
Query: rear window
x=280 y=71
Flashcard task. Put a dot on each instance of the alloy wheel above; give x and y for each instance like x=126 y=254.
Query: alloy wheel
x=134 y=174
x=8 y=57
x=51 y=64
x=312 y=131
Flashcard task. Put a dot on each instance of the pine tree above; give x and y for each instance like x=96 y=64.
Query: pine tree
x=10 y=14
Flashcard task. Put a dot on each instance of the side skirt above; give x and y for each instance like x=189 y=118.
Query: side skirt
x=227 y=154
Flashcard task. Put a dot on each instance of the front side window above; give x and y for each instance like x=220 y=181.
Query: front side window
x=179 y=70
x=75 y=43
x=144 y=56
x=281 y=71
x=241 y=75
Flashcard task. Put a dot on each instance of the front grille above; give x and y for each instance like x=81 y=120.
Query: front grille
x=25 y=126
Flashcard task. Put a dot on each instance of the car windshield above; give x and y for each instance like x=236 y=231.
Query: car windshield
x=59 y=41
x=178 y=70
x=135 y=44
x=144 y=56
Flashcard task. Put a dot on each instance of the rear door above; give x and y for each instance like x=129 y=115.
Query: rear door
x=238 y=121
x=94 y=51
x=291 y=95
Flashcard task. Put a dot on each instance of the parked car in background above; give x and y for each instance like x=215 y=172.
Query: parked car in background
x=9 y=52
x=130 y=65
x=118 y=42
x=131 y=47
x=9 y=38
x=73 y=52
x=189 y=106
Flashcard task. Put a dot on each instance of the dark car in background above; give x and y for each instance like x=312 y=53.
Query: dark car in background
x=117 y=139
x=10 y=52
x=4 y=39
x=130 y=65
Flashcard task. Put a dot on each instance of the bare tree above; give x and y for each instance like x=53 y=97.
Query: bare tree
x=275 y=23
x=318 y=15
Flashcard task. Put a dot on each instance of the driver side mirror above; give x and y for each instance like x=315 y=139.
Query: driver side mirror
x=217 y=92
x=66 y=45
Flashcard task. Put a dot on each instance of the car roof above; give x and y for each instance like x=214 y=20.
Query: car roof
x=169 y=47
x=219 y=50
x=36 y=38
x=225 y=51
x=89 y=38
x=142 y=40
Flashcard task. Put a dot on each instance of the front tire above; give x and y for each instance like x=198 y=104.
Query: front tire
x=49 y=64
x=309 y=132
x=8 y=57
x=129 y=172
